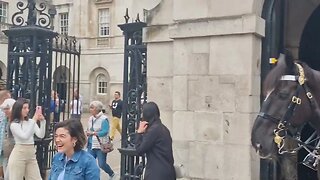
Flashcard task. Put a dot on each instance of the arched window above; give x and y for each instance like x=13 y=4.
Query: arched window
x=102 y=84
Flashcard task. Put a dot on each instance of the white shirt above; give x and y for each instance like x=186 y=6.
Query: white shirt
x=23 y=132
x=76 y=108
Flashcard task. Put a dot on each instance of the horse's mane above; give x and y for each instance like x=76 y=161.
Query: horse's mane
x=273 y=77
x=312 y=76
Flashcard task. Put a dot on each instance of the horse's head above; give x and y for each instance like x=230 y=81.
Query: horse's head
x=286 y=108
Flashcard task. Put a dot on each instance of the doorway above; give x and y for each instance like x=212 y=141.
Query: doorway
x=60 y=85
x=309 y=48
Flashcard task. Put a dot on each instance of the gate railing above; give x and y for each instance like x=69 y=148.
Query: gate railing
x=66 y=78
x=134 y=95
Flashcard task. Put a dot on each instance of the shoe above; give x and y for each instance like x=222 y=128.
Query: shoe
x=114 y=176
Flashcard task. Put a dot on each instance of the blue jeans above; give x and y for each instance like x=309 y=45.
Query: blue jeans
x=102 y=160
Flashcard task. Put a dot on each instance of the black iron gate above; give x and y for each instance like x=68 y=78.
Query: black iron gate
x=134 y=95
x=65 y=81
x=32 y=46
x=66 y=77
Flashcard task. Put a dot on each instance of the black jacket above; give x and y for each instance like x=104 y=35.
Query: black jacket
x=156 y=142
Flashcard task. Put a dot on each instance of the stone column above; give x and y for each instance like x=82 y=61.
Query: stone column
x=208 y=86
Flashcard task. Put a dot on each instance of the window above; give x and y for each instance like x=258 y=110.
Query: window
x=3 y=12
x=103 y=1
x=102 y=84
x=104 y=22
x=64 y=23
x=145 y=15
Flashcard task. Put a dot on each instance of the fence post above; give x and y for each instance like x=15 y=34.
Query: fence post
x=134 y=95
x=29 y=71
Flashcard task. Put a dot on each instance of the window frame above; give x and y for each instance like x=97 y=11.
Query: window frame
x=101 y=84
x=6 y=9
x=64 y=23
x=104 y=22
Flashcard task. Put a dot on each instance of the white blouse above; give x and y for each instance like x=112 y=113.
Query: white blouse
x=23 y=132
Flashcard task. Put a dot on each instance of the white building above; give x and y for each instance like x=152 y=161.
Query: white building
x=94 y=23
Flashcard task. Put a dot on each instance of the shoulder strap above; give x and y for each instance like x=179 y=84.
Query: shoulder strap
x=98 y=139
x=92 y=123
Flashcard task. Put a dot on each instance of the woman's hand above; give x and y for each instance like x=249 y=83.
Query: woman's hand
x=91 y=133
x=38 y=117
x=142 y=127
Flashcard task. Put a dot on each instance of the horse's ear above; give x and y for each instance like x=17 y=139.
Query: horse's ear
x=282 y=58
x=286 y=59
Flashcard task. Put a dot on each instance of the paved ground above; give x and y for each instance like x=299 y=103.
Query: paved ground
x=113 y=159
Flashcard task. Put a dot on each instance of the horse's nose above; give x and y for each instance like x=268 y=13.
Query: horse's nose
x=259 y=147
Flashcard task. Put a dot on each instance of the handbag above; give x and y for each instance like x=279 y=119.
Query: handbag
x=8 y=141
x=105 y=147
x=8 y=144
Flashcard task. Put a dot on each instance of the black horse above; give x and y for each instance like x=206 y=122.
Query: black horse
x=292 y=91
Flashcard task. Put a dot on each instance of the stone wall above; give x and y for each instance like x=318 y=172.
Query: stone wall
x=208 y=88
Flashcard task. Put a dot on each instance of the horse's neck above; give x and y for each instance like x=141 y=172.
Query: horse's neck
x=314 y=85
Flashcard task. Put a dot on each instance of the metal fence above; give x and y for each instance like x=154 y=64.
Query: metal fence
x=40 y=64
x=134 y=95
x=66 y=76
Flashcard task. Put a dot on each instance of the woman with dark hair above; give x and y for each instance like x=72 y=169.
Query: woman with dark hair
x=22 y=160
x=154 y=139
x=71 y=162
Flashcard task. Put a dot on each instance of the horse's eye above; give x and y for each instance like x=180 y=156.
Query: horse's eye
x=283 y=95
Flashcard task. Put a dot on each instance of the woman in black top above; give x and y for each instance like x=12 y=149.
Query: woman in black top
x=154 y=139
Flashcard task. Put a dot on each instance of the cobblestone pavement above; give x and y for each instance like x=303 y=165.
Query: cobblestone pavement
x=113 y=159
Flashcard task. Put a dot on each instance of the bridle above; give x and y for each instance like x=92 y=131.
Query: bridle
x=283 y=124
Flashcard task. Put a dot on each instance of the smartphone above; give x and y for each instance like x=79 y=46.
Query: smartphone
x=39 y=110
